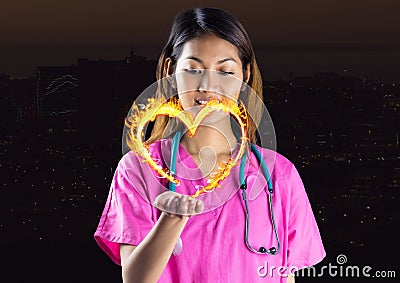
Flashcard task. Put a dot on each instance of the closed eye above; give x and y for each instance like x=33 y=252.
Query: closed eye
x=225 y=73
x=193 y=71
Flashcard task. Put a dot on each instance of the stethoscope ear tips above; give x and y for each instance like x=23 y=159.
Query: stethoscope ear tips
x=262 y=250
x=271 y=251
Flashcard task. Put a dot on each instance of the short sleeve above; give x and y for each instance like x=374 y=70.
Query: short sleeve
x=305 y=247
x=127 y=217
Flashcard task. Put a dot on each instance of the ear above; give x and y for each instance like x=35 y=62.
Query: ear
x=247 y=73
x=169 y=73
x=168 y=66
x=246 y=77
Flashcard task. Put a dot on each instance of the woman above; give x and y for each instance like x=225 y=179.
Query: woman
x=143 y=238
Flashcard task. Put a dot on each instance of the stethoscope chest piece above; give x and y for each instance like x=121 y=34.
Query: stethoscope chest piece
x=243 y=188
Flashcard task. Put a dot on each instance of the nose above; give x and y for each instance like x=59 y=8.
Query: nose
x=209 y=81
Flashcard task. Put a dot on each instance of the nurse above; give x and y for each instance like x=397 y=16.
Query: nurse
x=142 y=237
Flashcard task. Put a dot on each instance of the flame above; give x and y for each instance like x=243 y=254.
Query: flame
x=140 y=117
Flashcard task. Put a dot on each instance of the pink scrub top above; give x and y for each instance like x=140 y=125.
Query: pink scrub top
x=214 y=248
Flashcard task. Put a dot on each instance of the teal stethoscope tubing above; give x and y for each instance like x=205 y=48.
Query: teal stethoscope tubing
x=243 y=187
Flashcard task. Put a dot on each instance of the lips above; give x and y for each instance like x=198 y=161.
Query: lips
x=205 y=100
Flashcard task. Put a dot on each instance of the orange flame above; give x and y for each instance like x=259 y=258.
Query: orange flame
x=140 y=117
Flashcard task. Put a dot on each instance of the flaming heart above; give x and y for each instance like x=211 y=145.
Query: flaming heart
x=137 y=122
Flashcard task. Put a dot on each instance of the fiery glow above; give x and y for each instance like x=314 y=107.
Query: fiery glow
x=140 y=117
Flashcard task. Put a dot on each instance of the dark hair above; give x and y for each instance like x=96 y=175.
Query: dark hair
x=198 y=22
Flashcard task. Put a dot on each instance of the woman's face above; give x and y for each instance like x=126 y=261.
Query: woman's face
x=209 y=68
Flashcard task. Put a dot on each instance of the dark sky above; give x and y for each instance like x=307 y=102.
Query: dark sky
x=44 y=32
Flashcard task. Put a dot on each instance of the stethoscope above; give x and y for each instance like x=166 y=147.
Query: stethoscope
x=243 y=187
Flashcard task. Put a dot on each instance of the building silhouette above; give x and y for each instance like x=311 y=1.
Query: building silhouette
x=93 y=96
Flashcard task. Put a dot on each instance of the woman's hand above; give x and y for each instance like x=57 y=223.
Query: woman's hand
x=147 y=261
x=174 y=204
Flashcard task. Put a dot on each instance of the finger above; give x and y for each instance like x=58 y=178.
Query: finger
x=171 y=204
x=191 y=206
x=163 y=198
x=182 y=205
x=199 y=207
x=160 y=201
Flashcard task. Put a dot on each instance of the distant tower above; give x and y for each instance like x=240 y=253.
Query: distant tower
x=131 y=56
x=365 y=82
x=132 y=53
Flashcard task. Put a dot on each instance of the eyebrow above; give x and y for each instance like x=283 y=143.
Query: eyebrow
x=219 y=62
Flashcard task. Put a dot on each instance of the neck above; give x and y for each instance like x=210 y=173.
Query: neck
x=220 y=139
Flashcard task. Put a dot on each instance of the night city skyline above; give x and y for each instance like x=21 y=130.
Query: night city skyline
x=299 y=37
x=57 y=165
x=331 y=86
